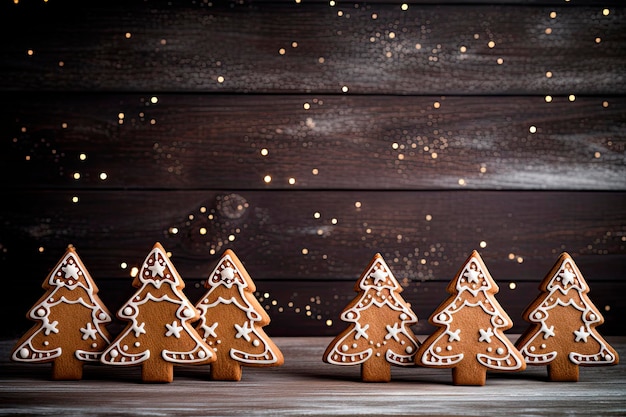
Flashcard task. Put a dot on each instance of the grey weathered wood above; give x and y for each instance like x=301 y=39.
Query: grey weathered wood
x=305 y=385
x=381 y=142
x=187 y=47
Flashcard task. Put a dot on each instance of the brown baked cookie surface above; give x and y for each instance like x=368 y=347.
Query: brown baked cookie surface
x=160 y=332
x=71 y=321
x=471 y=322
x=562 y=334
x=379 y=334
x=231 y=321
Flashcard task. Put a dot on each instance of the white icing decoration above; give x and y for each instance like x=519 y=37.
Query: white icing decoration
x=449 y=347
x=137 y=344
x=187 y=312
x=409 y=349
x=403 y=316
x=581 y=334
x=453 y=336
x=243 y=331
x=41 y=312
x=500 y=351
x=437 y=349
x=156 y=269
x=24 y=353
x=173 y=329
x=256 y=342
x=70 y=271
x=485 y=335
x=227 y=274
x=393 y=331
x=344 y=348
x=543 y=346
x=114 y=353
x=88 y=332
x=128 y=311
x=361 y=331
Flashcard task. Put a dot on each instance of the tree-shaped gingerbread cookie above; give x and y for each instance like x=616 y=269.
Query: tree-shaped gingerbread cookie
x=231 y=321
x=72 y=318
x=160 y=332
x=379 y=334
x=470 y=338
x=563 y=334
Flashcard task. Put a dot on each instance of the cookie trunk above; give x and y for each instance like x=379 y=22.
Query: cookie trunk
x=376 y=369
x=561 y=369
x=67 y=367
x=157 y=371
x=225 y=370
x=469 y=375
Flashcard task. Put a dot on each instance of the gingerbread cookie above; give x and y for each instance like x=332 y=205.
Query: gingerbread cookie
x=562 y=334
x=379 y=334
x=231 y=321
x=159 y=334
x=72 y=318
x=470 y=338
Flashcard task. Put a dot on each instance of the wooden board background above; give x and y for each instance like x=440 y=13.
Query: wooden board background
x=404 y=132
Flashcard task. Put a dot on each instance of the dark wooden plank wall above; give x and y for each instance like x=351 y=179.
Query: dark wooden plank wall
x=421 y=134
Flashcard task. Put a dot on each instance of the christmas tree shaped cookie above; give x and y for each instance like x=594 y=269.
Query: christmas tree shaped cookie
x=379 y=334
x=231 y=321
x=470 y=338
x=159 y=334
x=72 y=318
x=563 y=319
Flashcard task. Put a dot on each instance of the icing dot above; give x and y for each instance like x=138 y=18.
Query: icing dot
x=350 y=315
x=442 y=317
x=537 y=315
x=94 y=345
x=354 y=345
x=403 y=316
x=188 y=313
x=448 y=347
x=218 y=341
x=125 y=348
x=592 y=316
x=257 y=343
x=543 y=346
x=102 y=316
x=137 y=344
x=532 y=348
x=41 y=312
x=377 y=353
x=202 y=354
x=114 y=353
x=409 y=349
x=24 y=353
x=437 y=349
x=128 y=311
x=499 y=351
x=377 y=345
x=489 y=349
x=608 y=357
x=46 y=343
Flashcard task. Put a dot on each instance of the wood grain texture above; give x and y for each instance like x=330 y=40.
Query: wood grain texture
x=278 y=235
x=322 y=142
x=305 y=385
x=424 y=236
x=188 y=47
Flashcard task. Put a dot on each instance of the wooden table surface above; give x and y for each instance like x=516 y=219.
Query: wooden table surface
x=305 y=385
